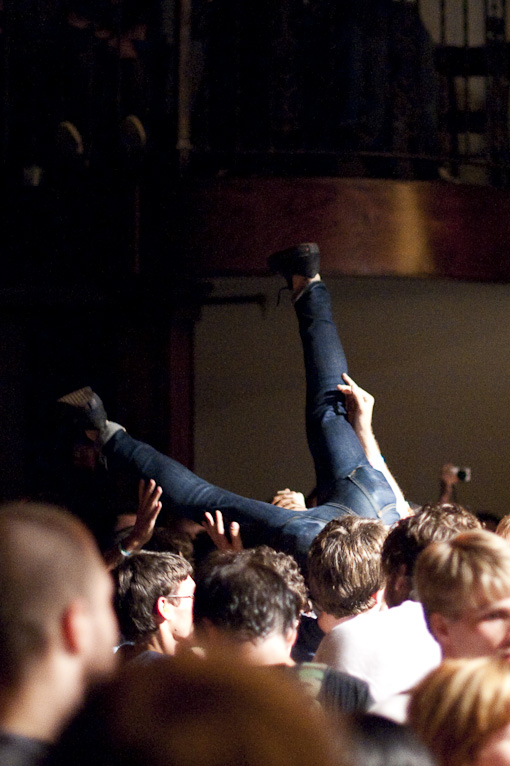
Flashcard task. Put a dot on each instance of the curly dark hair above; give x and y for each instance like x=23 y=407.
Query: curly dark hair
x=286 y=566
x=244 y=597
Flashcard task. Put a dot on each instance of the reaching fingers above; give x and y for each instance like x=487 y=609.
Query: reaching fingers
x=149 y=495
x=208 y=520
x=235 y=536
x=215 y=528
x=143 y=488
x=220 y=527
x=356 y=392
x=349 y=380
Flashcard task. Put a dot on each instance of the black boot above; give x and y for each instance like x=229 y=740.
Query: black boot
x=303 y=259
x=85 y=409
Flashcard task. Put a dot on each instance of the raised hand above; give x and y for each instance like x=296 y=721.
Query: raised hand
x=359 y=405
x=215 y=528
x=149 y=508
x=287 y=498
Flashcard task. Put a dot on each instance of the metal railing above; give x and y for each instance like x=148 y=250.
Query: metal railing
x=367 y=87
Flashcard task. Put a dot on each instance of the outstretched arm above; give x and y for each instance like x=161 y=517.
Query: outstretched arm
x=149 y=507
x=448 y=479
x=360 y=406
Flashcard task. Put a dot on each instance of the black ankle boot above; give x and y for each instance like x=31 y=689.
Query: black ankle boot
x=303 y=259
x=85 y=409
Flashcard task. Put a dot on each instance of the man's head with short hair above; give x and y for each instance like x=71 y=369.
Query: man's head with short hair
x=47 y=560
x=147 y=586
x=344 y=566
x=464 y=587
x=435 y=522
x=55 y=608
x=246 y=603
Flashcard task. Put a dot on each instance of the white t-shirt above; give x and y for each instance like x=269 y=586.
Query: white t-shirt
x=394 y=707
x=391 y=649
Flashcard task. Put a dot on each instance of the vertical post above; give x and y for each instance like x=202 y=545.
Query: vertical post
x=497 y=90
x=442 y=27
x=7 y=90
x=184 y=86
x=181 y=392
x=465 y=79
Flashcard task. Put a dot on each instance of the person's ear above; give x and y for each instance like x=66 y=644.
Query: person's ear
x=403 y=583
x=163 y=608
x=291 y=635
x=440 y=628
x=398 y=587
x=75 y=627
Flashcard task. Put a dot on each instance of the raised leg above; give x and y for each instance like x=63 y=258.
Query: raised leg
x=345 y=478
x=334 y=446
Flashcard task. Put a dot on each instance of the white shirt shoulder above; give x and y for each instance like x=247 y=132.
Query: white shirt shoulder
x=391 y=649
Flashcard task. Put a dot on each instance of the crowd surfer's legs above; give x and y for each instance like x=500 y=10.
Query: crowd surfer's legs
x=186 y=494
x=345 y=478
x=334 y=446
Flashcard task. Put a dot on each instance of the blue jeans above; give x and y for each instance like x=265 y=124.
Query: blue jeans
x=346 y=482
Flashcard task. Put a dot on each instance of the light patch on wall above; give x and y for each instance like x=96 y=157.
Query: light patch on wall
x=411 y=245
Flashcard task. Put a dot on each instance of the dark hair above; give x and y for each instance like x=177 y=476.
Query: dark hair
x=171 y=539
x=141 y=579
x=286 y=566
x=344 y=565
x=436 y=522
x=246 y=598
x=377 y=741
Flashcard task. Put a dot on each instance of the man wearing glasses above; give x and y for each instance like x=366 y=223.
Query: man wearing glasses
x=154 y=605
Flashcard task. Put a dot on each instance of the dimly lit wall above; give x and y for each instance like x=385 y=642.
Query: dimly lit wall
x=435 y=354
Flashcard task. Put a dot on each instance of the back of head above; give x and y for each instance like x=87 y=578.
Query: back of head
x=344 y=565
x=244 y=598
x=140 y=580
x=434 y=523
x=466 y=572
x=378 y=741
x=47 y=560
x=286 y=566
x=458 y=706
x=186 y=712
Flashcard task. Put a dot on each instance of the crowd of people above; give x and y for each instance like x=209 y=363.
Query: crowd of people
x=359 y=630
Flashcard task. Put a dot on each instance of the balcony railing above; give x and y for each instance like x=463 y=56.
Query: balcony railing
x=384 y=88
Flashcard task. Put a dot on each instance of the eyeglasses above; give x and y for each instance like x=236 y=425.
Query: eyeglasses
x=177 y=596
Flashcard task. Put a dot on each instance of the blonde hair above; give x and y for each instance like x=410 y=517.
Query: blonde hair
x=463 y=573
x=459 y=706
x=503 y=528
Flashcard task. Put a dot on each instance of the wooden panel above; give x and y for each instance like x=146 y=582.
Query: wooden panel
x=363 y=226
